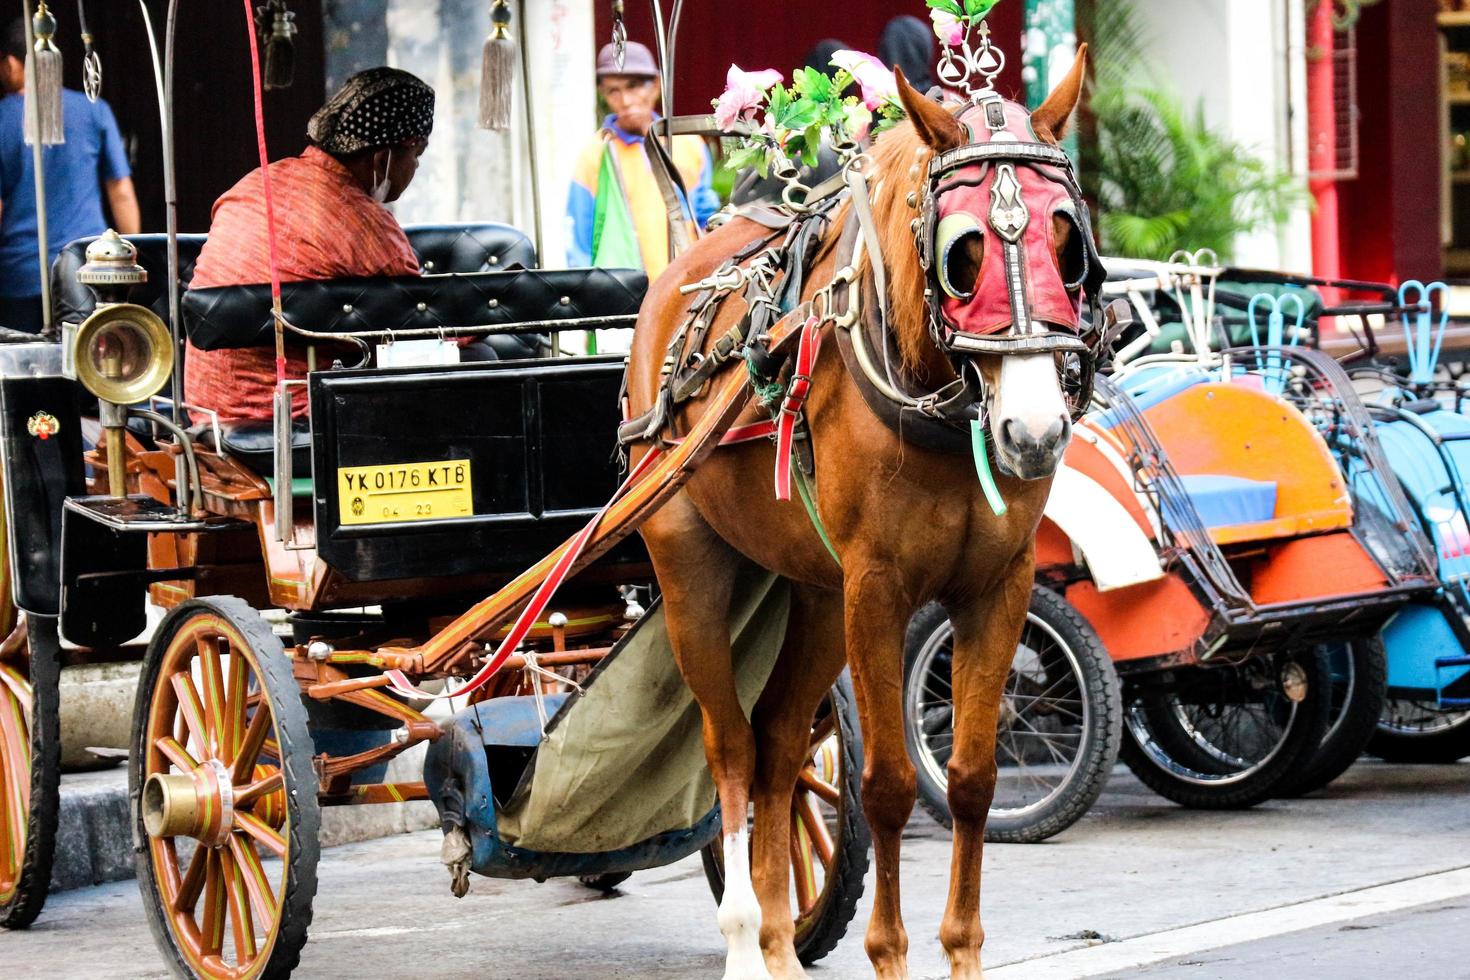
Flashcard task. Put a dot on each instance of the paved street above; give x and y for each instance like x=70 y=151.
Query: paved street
x=1366 y=875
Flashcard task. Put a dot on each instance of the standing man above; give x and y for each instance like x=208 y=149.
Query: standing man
x=616 y=156
x=90 y=162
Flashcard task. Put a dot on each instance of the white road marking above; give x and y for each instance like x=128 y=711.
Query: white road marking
x=1141 y=951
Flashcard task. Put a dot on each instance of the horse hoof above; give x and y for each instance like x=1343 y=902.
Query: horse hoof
x=747 y=970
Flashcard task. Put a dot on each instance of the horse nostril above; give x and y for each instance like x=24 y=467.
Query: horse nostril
x=1010 y=431
x=1057 y=431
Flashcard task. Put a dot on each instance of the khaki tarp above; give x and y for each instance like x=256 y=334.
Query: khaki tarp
x=625 y=762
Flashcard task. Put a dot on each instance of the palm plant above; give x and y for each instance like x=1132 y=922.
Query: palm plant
x=1163 y=178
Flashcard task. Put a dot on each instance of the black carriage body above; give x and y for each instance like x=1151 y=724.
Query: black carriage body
x=43 y=467
x=537 y=437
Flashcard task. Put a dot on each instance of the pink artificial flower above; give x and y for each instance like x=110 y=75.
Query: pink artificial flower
x=745 y=92
x=877 y=81
x=858 y=120
x=948 y=28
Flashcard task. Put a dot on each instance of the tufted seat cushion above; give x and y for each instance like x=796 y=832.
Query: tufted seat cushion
x=75 y=302
x=483 y=247
x=240 y=316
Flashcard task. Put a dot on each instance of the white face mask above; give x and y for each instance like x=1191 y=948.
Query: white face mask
x=379 y=192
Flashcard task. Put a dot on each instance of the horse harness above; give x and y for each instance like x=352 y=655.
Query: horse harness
x=771 y=273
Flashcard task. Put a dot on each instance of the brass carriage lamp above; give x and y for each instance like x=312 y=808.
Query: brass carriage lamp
x=122 y=353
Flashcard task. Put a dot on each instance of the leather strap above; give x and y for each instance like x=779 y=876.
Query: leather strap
x=797 y=389
x=671 y=188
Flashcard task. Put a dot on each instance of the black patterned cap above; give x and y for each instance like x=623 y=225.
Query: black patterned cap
x=378 y=107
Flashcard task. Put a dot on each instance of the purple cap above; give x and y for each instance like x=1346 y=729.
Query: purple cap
x=637 y=60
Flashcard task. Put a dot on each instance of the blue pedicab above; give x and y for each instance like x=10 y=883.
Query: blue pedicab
x=1425 y=433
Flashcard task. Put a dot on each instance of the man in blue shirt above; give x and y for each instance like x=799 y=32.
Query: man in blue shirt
x=91 y=161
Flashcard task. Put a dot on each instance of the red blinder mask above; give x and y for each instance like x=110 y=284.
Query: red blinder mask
x=1009 y=202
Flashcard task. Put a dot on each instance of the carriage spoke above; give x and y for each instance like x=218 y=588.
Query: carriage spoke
x=175 y=753
x=257 y=885
x=213 y=680
x=241 y=924
x=251 y=745
x=191 y=713
x=261 y=831
x=191 y=885
x=816 y=828
x=245 y=797
x=803 y=873
x=212 y=924
x=823 y=730
x=809 y=779
x=238 y=675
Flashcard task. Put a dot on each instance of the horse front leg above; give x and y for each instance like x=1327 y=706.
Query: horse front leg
x=698 y=573
x=985 y=636
x=875 y=616
x=811 y=658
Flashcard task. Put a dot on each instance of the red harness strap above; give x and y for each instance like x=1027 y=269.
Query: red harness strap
x=796 y=391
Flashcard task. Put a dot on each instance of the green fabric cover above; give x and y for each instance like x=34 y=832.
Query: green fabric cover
x=625 y=761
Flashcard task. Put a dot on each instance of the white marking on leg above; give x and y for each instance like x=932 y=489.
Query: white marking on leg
x=740 y=913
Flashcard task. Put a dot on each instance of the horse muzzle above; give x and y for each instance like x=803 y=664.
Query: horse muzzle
x=1031 y=448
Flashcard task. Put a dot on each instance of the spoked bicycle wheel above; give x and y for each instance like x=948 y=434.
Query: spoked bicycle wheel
x=1227 y=737
x=1415 y=732
x=30 y=764
x=1059 y=728
x=1359 y=671
x=829 y=837
x=225 y=811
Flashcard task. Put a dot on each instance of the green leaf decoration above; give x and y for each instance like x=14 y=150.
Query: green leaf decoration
x=976 y=9
x=813 y=85
x=798 y=115
x=948 y=6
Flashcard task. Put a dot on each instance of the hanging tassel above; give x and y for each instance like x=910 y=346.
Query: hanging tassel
x=43 y=81
x=498 y=70
x=277 y=28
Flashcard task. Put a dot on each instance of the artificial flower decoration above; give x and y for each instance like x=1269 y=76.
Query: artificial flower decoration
x=745 y=92
x=953 y=18
x=948 y=28
x=792 y=122
x=871 y=74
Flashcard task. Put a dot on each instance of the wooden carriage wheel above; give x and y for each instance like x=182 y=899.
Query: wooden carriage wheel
x=829 y=837
x=224 y=795
x=30 y=763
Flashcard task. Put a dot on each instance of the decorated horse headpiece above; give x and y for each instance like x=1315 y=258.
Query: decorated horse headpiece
x=1015 y=194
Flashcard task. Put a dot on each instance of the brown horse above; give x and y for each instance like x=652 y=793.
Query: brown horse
x=909 y=526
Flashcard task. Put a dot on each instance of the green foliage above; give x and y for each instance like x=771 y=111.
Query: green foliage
x=973 y=11
x=1164 y=179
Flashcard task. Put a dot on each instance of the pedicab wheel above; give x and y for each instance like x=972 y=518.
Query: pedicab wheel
x=830 y=839
x=1420 y=732
x=1359 y=676
x=1226 y=737
x=225 y=813
x=1059 y=728
x=30 y=765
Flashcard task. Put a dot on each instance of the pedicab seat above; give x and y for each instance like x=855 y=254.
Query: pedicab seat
x=75 y=302
x=1225 y=501
x=253 y=442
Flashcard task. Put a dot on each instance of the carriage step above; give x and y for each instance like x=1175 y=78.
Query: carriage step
x=1443 y=662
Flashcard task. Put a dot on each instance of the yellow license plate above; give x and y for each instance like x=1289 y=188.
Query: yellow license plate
x=404 y=492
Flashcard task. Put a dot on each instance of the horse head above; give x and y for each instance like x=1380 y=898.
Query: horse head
x=1005 y=256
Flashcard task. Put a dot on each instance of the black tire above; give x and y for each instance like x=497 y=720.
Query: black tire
x=1059 y=654
x=1359 y=686
x=607 y=883
x=22 y=901
x=295 y=804
x=1420 y=733
x=818 y=932
x=1170 y=732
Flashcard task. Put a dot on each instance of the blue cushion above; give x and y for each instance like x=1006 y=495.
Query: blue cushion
x=513 y=720
x=1152 y=385
x=1226 y=500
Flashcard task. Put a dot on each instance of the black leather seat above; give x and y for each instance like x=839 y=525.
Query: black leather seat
x=483 y=247
x=75 y=302
x=253 y=443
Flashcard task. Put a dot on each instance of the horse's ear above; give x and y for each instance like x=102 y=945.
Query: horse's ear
x=1050 y=121
x=935 y=125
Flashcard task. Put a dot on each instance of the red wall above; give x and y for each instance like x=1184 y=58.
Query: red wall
x=777 y=34
x=1390 y=214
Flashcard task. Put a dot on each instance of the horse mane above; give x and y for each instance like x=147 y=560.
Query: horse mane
x=900 y=161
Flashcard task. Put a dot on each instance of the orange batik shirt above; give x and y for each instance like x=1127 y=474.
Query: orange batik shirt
x=327 y=227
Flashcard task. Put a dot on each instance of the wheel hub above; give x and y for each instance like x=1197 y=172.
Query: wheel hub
x=198 y=804
x=1294 y=682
